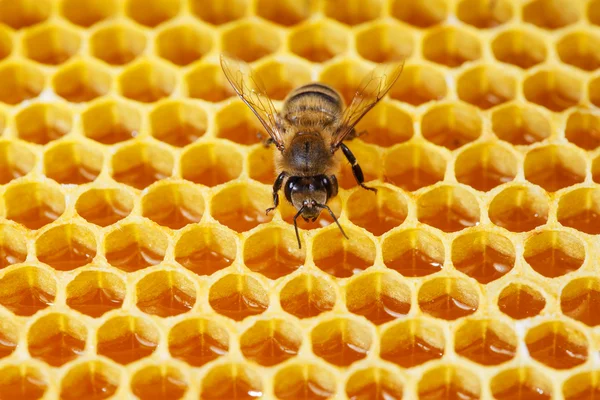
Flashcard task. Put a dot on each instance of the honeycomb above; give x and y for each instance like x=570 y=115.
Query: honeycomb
x=136 y=259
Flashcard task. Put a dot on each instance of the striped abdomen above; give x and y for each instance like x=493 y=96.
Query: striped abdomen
x=312 y=104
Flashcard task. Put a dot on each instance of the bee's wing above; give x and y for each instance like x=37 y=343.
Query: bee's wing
x=252 y=91
x=372 y=89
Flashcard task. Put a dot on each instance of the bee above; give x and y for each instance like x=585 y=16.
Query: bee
x=310 y=128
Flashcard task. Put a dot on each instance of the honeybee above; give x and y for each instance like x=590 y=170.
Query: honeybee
x=311 y=126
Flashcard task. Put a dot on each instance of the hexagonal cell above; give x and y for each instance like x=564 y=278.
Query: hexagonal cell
x=237 y=123
x=178 y=123
x=304 y=381
x=154 y=381
x=340 y=257
x=51 y=44
x=22 y=381
x=73 y=163
x=286 y=13
x=486 y=86
x=140 y=165
x=580 y=210
x=579 y=299
x=520 y=301
x=448 y=298
x=413 y=253
x=231 y=381
x=377 y=212
x=594 y=90
x=271 y=342
x=341 y=341
x=583 y=129
x=379 y=297
x=147 y=81
x=207 y=82
x=319 y=41
x=241 y=206
x=520 y=124
x=42 y=123
x=521 y=382
x=206 y=250
x=183 y=44
x=34 y=204
x=90 y=377
x=557 y=344
x=450 y=382
x=173 y=205
x=373 y=382
x=580 y=49
x=198 y=341
x=251 y=40
x=581 y=386
x=353 y=12
x=554 y=167
x=111 y=121
x=23 y=13
x=448 y=208
x=135 y=246
x=486 y=166
x=486 y=342
x=81 y=81
x=345 y=76
x=117 y=44
x=66 y=247
x=451 y=46
x=262 y=164
x=412 y=342
x=519 y=208
x=307 y=296
x=279 y=78
x=165 y=294
x=56 y=339
x=88 y=12
x=386 y=125
x=6 y=42
x=273 y=252
x=384 y=42
x=422 y=13
x=369 y=158
x=20 y=81
x=520 y=47
x=549 y=14
x=593 y=12
x=217 y=13
x=104 y=207
x=26 y=290
x=484 y=13
x=554 y=253
x=126 y=339
x=451 y=125
x=153 y=12
x=419 y=84
x=13 y=246
x=414 y=166
x=238 y=296
x=554 y=89
x=16 y=160
x=95 y=293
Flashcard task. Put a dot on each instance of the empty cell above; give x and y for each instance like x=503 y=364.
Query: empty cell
x=163 y=382
x=94 y=293
x=583 y=129
x=413 y=253
x=580 y=210
x=374 y=382
x=140 y=165
x=553 y=89
x=448 y=208
x=412 y=342
x=340 y=257
x=81 y=81
x=286 y=13
x=554 y=253
x=279 y=78
x=377 y=212
x=288 y=212
x=6 y=42
x=73 y=163
x=557 y=345
x=307 y=296
x=41 y=123
x=151 y=13
x=524 y=48
x=16 y=160
x=273 y=252
x=66 y=247
x=345 y=76
x=218 y=13
x=33 y=204
x=13 y=245
x=486 y=342
x=135 y=246
x=26 y=290
x=117 y=43
x=238 y=296
x=126 y=339
x=237 y=123
x=353 y=12
x=414 y=166
x=205 y=250
x=551 y=14
x=111 y=121
x=385 y=42
x=486 y=86
x=581 y=386
x=450 y=382
x=581 y=49
x=147 y=81
x=207 y=82
x=88 y=12
x=104 y=207
x=451 y=46
x=261 y=162
x=451 y=125
x=56 y=339
x=519 y=208
x=386 y=125
x=198 y=341
x=51 y=44
x=420 y=13
x=369 y=158
x=594 y=91
x=304 y=380
x=520 y=124
x=231 y=381
x=22 y=381
x=178 y=123
x=419 y=84
x=448 y=298
x=96 y=378
x=23 y=13
x=521 y=382
x=484 y=14
x=173 y=205
x=250 y=40
x=271 y=342
x=520 y=301
x=579 y=300
x=319 y=41
x=554 y=167
x=341 y=341
x=20 y=81
x=183 y=44
x=379 y=297
x=241 y=206
x=165 y=294
x=485 y=166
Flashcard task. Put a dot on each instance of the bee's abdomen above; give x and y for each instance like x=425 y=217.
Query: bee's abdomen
x=313 y=98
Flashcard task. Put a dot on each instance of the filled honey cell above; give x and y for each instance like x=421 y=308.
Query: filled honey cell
x=26 y=290
x=250 y=40
x=448 y=208
x=449 y=382
x=451 y=46
x=304 y=381
x=520 y=124
x=88 y=12
x=484 y=13
x=384 y=42
x=23 y=13
x=238 y=296
x=165 y=294
x=486 y=86
x=341 y=342
x=212 y=164
x=521 y=383
x=56 y=339
x=486 y=166
x=139 y=165
x=554 y=167
x=354 y=12
x=319 y=41
x=557 y=345
x=307 y=296
x=22 y=381
x=205 y=250
x=154 y=381
x=386 y=125
x=135 y=246
x=241 y=207
x=580 y=49
x=173 y=205
x=20 y=81
x=33 y=204
x=6 y=42
x=8 y=340
x=111 y=121
x=524 y=48
x=422 y=14
x=126 y=339
x=485 y=342
x=581 y=386
x=41 y=123
x=519 y=208
x=271 y=342
x=273 y=252
x=579 y=298
x=369 y=158
x=413 y=253
x=183 y=44
x=286 y=13
x=95 y=293
x=218 y=13
x=549 y=14
x=593 y=12
x=13 y=246
x=178 y=123
x=377 y=212
x=580 y=210
x=583 y=130
x=231 y=381
x=374 y=383
x=593 y=89
x=553 y=89
x=66 y=247
x=520 y=301
x=261 y=164
x=94 y=379
x=414 y=166
x=73 y=163
x=16 y=160
x=411 y=343
x=554 y=253
x=448 y=298
x=51 y=44
x=451 y=125
x=207 y=82
x=237 y=123
x=147 y=81
x=279 y=78
x=81 y=81
x=198 y=341
x=104 y=207
x=117 y=44
x=346 y=76
x=152 y=13
x=419 y=84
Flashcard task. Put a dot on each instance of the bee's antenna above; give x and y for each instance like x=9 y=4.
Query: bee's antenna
x=296 y=225
x=325 y=206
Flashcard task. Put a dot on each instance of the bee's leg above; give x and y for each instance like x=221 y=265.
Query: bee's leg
x=276 y=187
x=356 y=170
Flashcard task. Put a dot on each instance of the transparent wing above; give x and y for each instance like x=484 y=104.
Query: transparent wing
x=372 y=89
x=252 y=91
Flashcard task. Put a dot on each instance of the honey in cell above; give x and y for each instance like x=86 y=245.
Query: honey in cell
x=273 y=350
x=6 y=346
x=274 y=264
x=126 y=348
x=36 y=217
x=9 y=256
x=337 y=351
x=519 y=302
x=489 y=349
x=343 y=263
x=448 y=392
x=24 y=386
x=518 y=218
x=237 y=306
x=198 y=350
x=96 y=302
x=583 y=307
x=104 y=213
x=379 y=220
x=522 y=391
x=139 y=176
x=205 y=261
x=447 y=307
x=174 y=216
x=449 y=219
x=382 y=309
x=58 y=349
x=27 y=301
x=589 y=393
x=161 y=386
x=375 y=391
x=302 y=389
x=557 y=351
x=114 y=133
x=415 y=263
x=484 y=178
x=133 y=258
x=69 y=257
x=75 y=174
x=486 y=265
x=173 y=301
x=93 y=385
x=230 y=387
x=587 y=221
x=414 y=352
x=554 y=178
x=306 y=304
x=243 y=219
x=182 y=134
x=553 y=262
